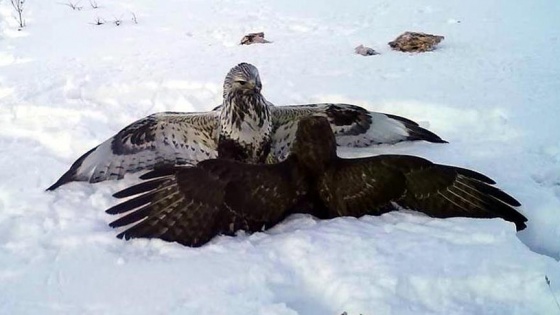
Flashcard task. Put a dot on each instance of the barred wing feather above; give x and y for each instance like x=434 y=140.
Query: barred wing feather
x=190 y=205
x=377 y=184
x=352 y=125
x=167 y=138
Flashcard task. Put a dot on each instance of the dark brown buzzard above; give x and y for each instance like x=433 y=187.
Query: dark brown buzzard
x=190 y=205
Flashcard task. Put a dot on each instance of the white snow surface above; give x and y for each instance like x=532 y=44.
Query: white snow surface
x=492 y=89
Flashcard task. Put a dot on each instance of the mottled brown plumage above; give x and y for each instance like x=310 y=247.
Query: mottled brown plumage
x=254 y=38
x=190 y=205
x=416 y=42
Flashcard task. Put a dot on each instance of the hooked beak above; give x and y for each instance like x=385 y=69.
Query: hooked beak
x=252 y=87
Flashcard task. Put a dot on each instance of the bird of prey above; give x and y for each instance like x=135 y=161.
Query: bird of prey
x=190 y=205
x=246 y=126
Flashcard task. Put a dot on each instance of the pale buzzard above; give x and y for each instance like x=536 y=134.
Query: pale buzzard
x=246 y=125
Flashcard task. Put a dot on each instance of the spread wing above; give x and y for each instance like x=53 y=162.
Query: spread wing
x=160 y=139
x=190 y=205
x=352 y=125
x=373 y=185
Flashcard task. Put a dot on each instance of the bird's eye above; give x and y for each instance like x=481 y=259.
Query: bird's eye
x=242 y=82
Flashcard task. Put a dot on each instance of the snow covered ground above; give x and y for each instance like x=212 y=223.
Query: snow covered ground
x=491 y=90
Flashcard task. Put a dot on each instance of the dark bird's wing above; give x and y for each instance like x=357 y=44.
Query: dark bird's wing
x=352 y=125
x=190 y=205
x=159 y=139
x=373 y=185
x=171 y=211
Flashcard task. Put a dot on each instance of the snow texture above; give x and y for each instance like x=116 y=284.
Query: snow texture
x=491 y=89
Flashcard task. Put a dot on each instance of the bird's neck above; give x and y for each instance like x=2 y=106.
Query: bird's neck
x=244 y=111
x=245 y=129
x=316 y=162
x=315 y=155
x=235 y=101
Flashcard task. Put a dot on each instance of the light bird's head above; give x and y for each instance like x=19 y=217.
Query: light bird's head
x=243 y=79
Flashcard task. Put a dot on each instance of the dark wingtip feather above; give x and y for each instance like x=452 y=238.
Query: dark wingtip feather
x=500 y=203
x=130 y=204
x=132 y=217
x=516 y=217
x=508 y=213
x=139 y=229
x=64 y=179
x=520 y=225
x=474 y=174
x=497 y=193
x=138 y=188
x=419 y=133
x=161 y=172
x=70 y=175
x=405 y=121
x=416 y=132
x=124 y=235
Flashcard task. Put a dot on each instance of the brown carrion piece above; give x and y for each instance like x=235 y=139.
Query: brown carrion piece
x=254 y=38
x=416 y=42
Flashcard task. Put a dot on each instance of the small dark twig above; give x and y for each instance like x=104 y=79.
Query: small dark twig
x=117 y=21
x=74 y=6
x=99 y=21
x=93 y=4
x=134 y=18
x=18 y=6
x=551 y=292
